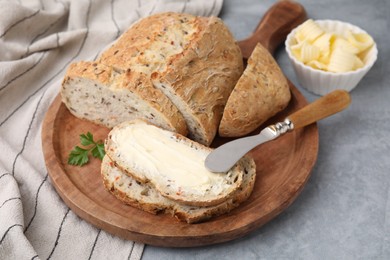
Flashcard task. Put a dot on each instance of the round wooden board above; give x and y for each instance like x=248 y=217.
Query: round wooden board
x=283 y=167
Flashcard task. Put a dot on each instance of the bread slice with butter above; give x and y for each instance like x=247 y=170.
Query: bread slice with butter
x=96 y=92
x=147 y=198
x=260 y=93
x=171 y=163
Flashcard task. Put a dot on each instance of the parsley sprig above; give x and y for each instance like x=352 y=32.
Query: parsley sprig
x=80 y=156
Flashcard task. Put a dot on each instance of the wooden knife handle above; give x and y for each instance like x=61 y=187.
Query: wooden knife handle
x=323 y=107
x=273 y=29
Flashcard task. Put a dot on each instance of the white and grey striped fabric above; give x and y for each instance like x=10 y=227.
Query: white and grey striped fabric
x=38 y=40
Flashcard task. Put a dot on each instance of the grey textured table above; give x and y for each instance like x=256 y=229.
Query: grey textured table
x=344 y=210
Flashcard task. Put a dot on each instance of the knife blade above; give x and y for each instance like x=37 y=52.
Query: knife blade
x=223 y=158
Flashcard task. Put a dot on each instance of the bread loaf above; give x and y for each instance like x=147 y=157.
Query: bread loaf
x=98 y=93
x=171 y=163
x=193 y=60
x=145 y=197
x=260 y=93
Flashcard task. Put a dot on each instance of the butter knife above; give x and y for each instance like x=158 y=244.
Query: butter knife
x=226 y=156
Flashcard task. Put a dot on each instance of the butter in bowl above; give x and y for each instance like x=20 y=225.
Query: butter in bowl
x=328 y=55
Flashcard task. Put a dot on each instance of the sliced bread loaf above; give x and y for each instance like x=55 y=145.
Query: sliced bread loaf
x=97 y=93
x=147 y=198
x=193 y=60
x=260 y=93
x=171 y=163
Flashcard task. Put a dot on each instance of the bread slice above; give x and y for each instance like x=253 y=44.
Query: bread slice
x=98 y=93
x=260 y=93
x=195 y=61
x=145 y=197
x=171 y=163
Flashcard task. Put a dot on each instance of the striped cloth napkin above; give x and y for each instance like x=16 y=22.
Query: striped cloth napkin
x=38 y=40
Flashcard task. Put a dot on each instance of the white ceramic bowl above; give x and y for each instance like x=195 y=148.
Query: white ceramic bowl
x=322 y=82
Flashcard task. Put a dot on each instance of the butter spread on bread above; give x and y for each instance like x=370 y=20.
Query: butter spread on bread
x=151 y=147
x=192 y=61
x=171 y=163
x=260 y=93
x=147 y=198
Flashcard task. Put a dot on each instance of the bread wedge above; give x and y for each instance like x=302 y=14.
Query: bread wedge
x=171 y=163
x=145 y=197
x=98 y=93
x=260 y=93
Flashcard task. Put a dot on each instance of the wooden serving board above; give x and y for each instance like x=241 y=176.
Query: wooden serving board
x=283 y=168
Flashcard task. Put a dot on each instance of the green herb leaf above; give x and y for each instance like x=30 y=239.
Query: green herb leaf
x=86 y=139
x=79 y=156
x=98 y=151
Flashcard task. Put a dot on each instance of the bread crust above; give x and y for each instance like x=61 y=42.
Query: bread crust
x=260 y=93
x=203 y=77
